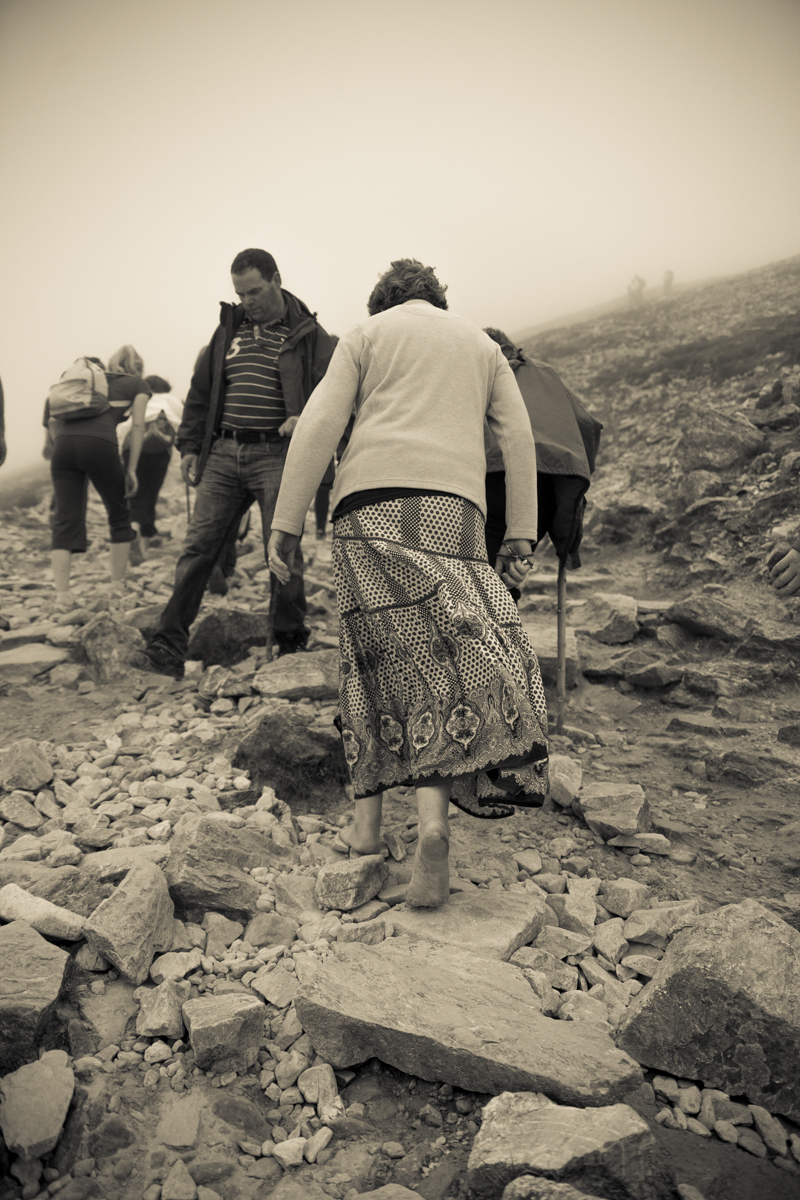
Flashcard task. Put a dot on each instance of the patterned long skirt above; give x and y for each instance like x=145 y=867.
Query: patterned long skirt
x=436 y=674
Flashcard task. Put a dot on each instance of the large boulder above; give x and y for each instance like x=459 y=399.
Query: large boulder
x=609 y=617
x=713 y=441
x=226 y=636
x=209 y=863
x=22 y=765
x=33 y=974
x=135 y=923
x=724 y=1007
x=302 y=760
x=444 y=1014
x=601 y=1148
x=112 y=649
x=34 y=1104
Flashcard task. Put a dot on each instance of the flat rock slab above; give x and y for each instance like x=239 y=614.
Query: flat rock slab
x=526 y=1134
x=294 y=676
x=724 y=1007
x=32 y=976
x=34 y=1104
x=444 y=1014
x=29 y=660
x=544 y=639
x=489 y=924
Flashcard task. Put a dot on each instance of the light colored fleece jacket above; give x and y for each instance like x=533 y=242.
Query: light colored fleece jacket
x=420 y=380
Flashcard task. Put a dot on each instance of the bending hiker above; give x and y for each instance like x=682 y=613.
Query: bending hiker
x=162 y=418
x=247 y=393
x=439 y=684
x=567 y=439
x=81 y=444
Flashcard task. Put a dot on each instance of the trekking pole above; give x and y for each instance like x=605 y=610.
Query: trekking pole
x=561 y=617
x=273 y=602
x=188 y=504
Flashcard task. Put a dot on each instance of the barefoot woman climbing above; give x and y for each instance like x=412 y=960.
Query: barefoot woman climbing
x=439 y=686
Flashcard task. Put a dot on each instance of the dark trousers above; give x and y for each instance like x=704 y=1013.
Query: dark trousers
x=151 y=473
x=234 y=476
x=77 y=461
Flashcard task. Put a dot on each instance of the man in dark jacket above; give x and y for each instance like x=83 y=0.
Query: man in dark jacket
x=248 y=390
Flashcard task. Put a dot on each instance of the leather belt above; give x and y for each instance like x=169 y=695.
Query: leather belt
x=251 y=435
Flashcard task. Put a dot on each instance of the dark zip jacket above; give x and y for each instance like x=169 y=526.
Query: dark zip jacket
x=302 y=362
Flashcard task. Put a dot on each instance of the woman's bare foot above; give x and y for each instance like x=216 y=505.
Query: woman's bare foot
x=430 y=881
x=360 y=841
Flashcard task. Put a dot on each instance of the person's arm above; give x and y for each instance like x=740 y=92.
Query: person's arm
x=193 y=419
x=2 y=427
x=509 y=422
x=135 y=445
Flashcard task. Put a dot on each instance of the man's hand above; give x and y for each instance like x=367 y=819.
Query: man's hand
x=513 y=562
x=287 y=428
x=131 y=485
x=189 y=468
x=785 y=575
x=280 y=553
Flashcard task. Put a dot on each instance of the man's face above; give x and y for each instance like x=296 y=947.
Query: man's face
x=261 y=298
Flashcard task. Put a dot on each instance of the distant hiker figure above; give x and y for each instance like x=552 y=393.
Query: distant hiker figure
x=162 y=418
x=248 y=390
x=669 y=279
x=439 y=685
x=567 y=440
x=81 y=443
x=636 y=291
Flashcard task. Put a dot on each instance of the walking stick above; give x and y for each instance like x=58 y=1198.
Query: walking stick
x=188 y=504
x=561 y=616
x=273 y=601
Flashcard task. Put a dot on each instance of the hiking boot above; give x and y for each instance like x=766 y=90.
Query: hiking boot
x=163 y=662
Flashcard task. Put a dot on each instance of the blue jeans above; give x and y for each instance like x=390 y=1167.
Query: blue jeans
x=234 y=476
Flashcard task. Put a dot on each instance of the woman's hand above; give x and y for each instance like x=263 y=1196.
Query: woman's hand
x=513 y=562
x=280 y=553
x=131 y=485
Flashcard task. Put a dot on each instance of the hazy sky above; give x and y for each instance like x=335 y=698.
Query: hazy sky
x=537 y=152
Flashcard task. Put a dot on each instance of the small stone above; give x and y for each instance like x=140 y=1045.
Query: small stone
x=179 y=1184
x=726 y=1132
x=689 y=1100
x=665 y=1085
x=290 y=1153
x=752 y=1143
x=317 y=1142
x=393 y=1150
x=695 y=1126
x=347 y=885
x=770 y=1130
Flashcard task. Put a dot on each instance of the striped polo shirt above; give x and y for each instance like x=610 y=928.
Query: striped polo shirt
x=253 y=390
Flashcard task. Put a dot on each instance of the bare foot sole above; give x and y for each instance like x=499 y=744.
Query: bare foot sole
x=430 y=880
x=359 y=844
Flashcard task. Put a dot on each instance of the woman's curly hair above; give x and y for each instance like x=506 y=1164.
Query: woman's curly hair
x=406 y=279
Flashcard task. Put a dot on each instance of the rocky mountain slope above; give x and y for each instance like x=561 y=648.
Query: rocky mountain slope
x=206 y=997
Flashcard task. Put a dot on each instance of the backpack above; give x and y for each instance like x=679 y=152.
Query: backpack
x=158 y=433
x=82 y=391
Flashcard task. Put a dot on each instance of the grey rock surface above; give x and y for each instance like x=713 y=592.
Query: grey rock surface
x=723 y=1007
x=135 y=923
x=448 y=1015
x=34 y=1103
x=34 y=972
